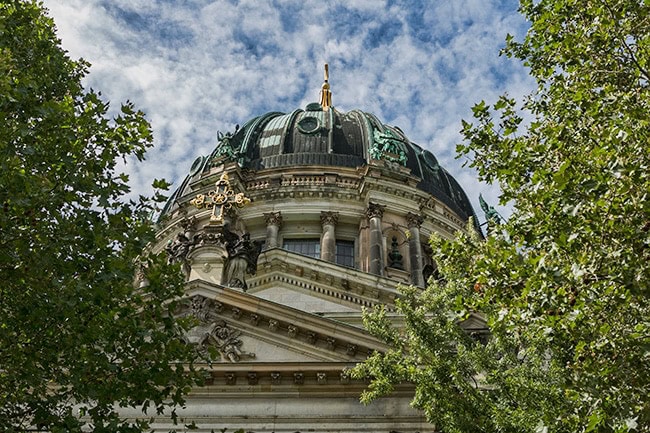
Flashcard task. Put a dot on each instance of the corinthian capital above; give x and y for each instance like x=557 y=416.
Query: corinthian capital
x=414 y=220
x=327 y=217
x=375 y=210
x=273 y=218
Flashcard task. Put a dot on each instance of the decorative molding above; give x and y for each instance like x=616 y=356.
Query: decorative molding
x=200 y=307
x=252 y=378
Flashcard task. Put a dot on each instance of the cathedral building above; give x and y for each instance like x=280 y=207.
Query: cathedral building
x=293 y=225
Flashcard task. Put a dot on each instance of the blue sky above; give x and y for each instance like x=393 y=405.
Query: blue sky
x=199 y=66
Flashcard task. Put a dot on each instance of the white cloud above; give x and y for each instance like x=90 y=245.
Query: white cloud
x=202 y=66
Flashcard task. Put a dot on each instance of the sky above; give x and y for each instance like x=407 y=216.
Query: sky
x=196 y=67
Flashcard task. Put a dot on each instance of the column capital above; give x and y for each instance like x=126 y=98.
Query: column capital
x=328 y=217
x=375 y=210
x=414 y=220
x=273 y=218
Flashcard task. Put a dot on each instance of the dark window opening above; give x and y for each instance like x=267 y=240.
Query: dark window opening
x=306 y=247
x=345 y=253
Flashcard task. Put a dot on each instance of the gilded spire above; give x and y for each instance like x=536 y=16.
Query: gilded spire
x=325 y=94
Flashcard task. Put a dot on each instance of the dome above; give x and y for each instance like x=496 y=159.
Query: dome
x=317 y=137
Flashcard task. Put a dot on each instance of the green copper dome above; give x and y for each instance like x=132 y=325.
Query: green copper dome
x=314 y=137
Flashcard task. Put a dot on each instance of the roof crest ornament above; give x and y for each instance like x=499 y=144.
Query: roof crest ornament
x=325 y=93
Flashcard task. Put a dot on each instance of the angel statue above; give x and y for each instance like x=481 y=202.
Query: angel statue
x=492 y=217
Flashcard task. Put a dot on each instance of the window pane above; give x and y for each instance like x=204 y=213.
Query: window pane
x=307 y=247
x=345 y=253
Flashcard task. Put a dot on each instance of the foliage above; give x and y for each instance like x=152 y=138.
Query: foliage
x=76 y=337
x=563 y=285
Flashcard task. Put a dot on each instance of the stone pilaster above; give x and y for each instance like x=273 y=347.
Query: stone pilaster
x=414 y=222
x=273 y=224
x=374 y=213
x=328 y=241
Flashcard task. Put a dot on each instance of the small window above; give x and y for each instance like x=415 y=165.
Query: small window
x=306 y=247
x=345 y=253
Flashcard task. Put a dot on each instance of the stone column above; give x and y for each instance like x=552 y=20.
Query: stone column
x=374 y=213
x=328 y=242
x=414 y=222
x=273 y=224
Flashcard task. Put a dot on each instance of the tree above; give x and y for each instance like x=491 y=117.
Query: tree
x=563 y=284
x=76 y=337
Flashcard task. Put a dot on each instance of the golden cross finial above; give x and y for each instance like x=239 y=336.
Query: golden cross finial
x=325 y=94
x=220 y=199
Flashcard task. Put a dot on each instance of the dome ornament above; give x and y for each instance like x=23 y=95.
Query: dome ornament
x=325 y=93
x=220 y=200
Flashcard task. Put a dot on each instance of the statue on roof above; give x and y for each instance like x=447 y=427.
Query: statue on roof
x=242 y=258
x=388 y=146
x=492 y=217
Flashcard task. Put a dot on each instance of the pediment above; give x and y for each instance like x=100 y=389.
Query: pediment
x=240 y=327
x=475 y=322
x=316 y=285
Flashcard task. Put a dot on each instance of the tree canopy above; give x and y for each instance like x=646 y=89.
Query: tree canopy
x=76 y=337
x=563 y=284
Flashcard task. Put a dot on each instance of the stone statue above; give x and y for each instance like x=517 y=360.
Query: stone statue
x=242 y=258
x=394 y=256
x=178 y=249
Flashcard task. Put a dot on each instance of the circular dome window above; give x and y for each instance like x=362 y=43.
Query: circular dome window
x=309 y=125
x=430 y=160
x=196 y=166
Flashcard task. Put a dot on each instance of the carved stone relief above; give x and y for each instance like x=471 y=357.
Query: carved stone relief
x=213 y=336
